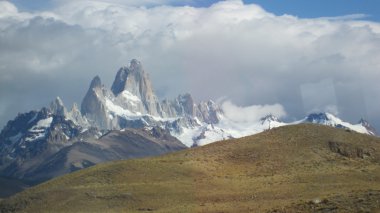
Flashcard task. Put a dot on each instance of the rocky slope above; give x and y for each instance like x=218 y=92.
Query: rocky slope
x=114 y=145
x=43 y=144
x=28 y=139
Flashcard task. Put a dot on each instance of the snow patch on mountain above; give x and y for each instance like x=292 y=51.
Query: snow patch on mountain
x=233 y=129
x=38 y=131
x=118 y=110
x=329 y=119
x=43 y=124
x=227 y=128
x=130 y=97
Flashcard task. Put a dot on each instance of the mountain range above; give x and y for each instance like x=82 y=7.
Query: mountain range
x=126 y=121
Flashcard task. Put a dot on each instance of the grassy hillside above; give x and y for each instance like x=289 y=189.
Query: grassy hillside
x=300 y=168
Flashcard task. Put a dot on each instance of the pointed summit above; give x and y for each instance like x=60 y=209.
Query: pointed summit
x=363 y=122
x=269 y=118
x=135 y=65
x=76 y=116
x=119 y=83
x=75 y=107
x=187 y=103
x=57 y=107
x=136 y=82
x=131 y=78
x=368 y=126
x=317 y=118
x=92 y=105
x=96 y=82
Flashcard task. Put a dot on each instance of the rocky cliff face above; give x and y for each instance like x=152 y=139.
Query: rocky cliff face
x=76 y=116
x=132 y=103
x=133 y=84
x=94 y=105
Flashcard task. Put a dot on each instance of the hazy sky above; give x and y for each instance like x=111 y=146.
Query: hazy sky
x=319 y=56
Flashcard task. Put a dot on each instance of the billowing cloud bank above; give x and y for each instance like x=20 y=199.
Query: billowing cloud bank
x=252 y=113
x=229 y=49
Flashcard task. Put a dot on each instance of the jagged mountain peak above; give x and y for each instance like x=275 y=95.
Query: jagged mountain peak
x=321 y=116
x=135 y=65
x=119 y=83
x=187 y=101
x=58 y=100
x=185 y=96
x=133 y=83
x=92 y=105
x=96 y=82
x=363 y=122
x=269 y=117
x=57 y=107
x=131 y=78
x=132 y=101
x=368 y=126
x=76 y=116
x=32 y=136
x=75 y=107
x=211 y=102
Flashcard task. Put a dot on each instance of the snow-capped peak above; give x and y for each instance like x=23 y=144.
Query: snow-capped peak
x=363 y=122
x=269 y=117
x=368 y=126
x=96 y=82
x=134 y=64
x=320 y=118
x=57 y=107
x=331 y=120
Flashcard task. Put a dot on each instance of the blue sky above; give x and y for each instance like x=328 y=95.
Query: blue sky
x=300 y=8
x=316 y=8
x=312 y=9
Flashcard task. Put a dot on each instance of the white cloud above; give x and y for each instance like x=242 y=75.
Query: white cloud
x=331 y=109
x=228 y=49
x=7 y=8
x=346 y=17
x=313 y=100
x=128 y=2
x=252 y=113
